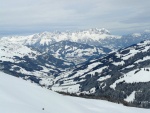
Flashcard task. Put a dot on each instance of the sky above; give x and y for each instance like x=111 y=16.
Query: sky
x=32 y=16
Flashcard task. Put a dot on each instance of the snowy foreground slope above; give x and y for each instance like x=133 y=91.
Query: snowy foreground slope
x=19 y=96
x=25 y=62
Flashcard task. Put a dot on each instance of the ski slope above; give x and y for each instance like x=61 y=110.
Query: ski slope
x=19 y=96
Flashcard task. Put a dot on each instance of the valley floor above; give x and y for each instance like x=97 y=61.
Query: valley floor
x=19 y=96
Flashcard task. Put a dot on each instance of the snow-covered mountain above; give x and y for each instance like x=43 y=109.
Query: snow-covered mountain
x=46 y=38
x=131 y=39
x=122 y=76
x=18 y=96
x=22 y=61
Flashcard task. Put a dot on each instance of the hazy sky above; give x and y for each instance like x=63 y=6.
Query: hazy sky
x=30 y=16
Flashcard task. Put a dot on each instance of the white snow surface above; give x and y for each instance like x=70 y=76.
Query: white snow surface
x=71 y=88
x=19 y=96
x=142 y=47
x=136 y=34
x=104 y=78
x=9 y=50
x=118 y=63
x=131 y=97
x=134 y=77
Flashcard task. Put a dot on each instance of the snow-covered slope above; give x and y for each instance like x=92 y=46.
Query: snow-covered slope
x=19 y=96
x=8 y=51
x=22 y=61
x=120 y=75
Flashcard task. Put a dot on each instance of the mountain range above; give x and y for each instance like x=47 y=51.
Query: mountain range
x=83 y=45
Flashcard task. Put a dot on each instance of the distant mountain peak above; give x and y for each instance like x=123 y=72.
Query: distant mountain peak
x=147 y=31
x=96 y=31
x=136 y=34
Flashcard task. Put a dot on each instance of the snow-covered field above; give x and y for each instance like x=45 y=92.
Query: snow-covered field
x=19 y=96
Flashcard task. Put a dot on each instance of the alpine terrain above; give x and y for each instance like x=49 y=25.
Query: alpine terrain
x=122 y=76
x=90 y=63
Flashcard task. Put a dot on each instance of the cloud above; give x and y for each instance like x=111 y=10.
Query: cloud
x=23 y=16
x=141 y=17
